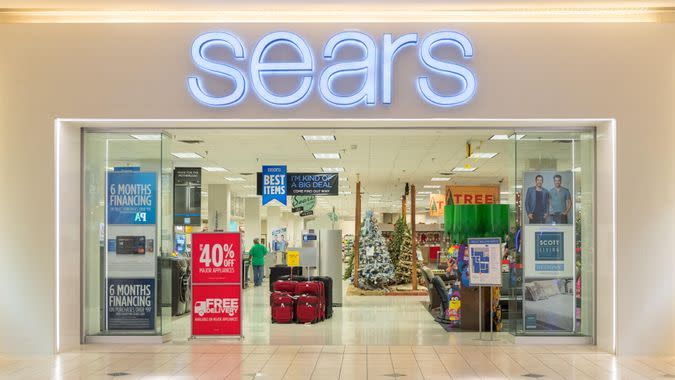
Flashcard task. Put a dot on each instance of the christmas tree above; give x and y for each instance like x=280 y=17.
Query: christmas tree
x=375 y=268
x=404 y=267
x=394 y=244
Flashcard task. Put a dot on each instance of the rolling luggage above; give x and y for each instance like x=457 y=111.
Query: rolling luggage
x=285 y=286
x=282 y=307
x=307 y=309
x=277 y=271
x=314 y=288
x=293 y=277
x=328 y=289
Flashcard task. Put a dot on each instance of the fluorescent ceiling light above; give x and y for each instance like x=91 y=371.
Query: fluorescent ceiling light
x=187 y=155
x=147 y=137
x=439 y=179
x=375 y=195
x=342 y=179
x=576 y=170
x=214 y=169
x=505 y=193
x=333 y=170
x=463 y=169
x=250 y=186
x=345 y=193
x=483 y=155
x=318 y=137
x=327 y=156
x=507 y=137
x=235 y=179
x=423 y=192
x=432 y=186
x=519 y=186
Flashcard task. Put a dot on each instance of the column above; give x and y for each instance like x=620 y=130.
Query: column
x=219 y=207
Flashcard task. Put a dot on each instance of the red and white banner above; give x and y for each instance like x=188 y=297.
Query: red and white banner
x=216 y=284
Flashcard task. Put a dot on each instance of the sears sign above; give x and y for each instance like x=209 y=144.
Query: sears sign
x=375 y=67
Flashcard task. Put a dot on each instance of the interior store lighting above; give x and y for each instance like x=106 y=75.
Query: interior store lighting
x=375 y=195
x=235 y=179
x=507 y=137
x=439 y=179
x=345 y=193
x=327 y=156
x=423 y=192
x=432 y=186
x=187 y=155
x=333 y=170
x=214 y=169
x=463 y=169
x=250 y=186
x=154 y=137
x=318 y=137
x=483 y=155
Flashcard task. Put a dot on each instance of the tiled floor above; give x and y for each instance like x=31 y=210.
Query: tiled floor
x=368 y=338
x=213 y=360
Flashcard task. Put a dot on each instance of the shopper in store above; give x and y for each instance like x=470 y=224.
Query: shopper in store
x=561 y=201
x=257 y=253
x=537 y=202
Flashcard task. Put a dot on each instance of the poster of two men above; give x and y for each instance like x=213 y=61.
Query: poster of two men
x=548 y=197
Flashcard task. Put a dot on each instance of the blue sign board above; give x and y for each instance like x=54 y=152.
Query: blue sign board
x=131 y=197
x=313 y=183
x=130 y=304
x=549 y=246
x=274 y=184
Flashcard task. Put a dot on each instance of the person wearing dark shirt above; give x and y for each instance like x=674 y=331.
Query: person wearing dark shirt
x=537 y=202
x=561 y=201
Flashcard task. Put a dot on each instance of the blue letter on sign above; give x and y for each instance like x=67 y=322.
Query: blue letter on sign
x=464 y=75
x=195 y=84
x=389 y=50
x=304 y=68
x=367 y=66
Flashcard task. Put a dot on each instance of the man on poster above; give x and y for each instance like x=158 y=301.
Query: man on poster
x=561 y=201
x=537 y=201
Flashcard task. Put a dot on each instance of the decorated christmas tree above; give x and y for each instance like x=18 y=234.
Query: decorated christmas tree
x=375 y=268
x=404 y=267
x=394 y=244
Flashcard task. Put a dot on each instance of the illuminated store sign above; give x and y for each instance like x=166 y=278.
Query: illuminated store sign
x=375 y=66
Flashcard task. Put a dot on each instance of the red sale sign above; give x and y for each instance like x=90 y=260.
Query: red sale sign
x=216 y=309
x=216 y=258
x=216 y=284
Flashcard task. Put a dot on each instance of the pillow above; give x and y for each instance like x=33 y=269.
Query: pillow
x=534 y=292
x=548 y=288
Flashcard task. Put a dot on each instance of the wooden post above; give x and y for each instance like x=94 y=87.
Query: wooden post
x=413 y=196
x=357 y=234
x=403 y=206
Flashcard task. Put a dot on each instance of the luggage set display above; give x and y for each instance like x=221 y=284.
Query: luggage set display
x=301 y=299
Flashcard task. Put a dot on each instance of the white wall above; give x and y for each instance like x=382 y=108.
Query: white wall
x=622 y=71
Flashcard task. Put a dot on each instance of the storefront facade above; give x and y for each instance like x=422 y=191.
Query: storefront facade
x=616 y=77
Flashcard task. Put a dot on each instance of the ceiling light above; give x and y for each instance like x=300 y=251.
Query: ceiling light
x=327 y=156
x=507 y=137
x=333 y=170
x=423 y=192
x=432 y=186
x=342 y=179
x=250 y=186
x=505 y=193
x=187 y=155
x=214 y=169
x=375 y=195
x=318 y=137
x=463 y=169
x=147 y=137
x=576 y=170
x=483 y=155
x=345 y=193
x=235 y=179
x=439 y=179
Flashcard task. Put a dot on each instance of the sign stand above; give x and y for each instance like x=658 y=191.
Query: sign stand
x=484 y=271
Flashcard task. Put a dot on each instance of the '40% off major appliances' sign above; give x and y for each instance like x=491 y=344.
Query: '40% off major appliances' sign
x=216 y=258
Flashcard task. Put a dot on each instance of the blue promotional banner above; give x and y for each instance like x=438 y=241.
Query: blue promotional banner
x=130 y=304
x=274 y=184
x=313 y=183
x=131 y=197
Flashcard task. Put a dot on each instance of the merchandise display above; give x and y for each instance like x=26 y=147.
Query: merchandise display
x=404 y=262
x=300 y=301
x=395 y=240
x=375 y=268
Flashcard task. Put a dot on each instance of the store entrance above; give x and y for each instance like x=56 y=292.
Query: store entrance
x=424 y=193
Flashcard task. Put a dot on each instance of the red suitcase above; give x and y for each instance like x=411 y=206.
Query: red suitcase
x=285 y=286
x=282 y=307
x=314 y=288
x=307 y=309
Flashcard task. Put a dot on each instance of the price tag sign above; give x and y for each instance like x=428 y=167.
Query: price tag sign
x=293 y=258
x=216 y=258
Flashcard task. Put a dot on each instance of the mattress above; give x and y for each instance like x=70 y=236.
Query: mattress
x=552 y=314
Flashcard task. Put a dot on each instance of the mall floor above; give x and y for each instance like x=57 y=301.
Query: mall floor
x=368 y=338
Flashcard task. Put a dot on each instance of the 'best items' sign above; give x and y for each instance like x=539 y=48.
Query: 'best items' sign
x=274 y=184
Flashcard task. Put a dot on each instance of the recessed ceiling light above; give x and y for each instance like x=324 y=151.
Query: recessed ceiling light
x=432 y=186
x=375 y=195
x=342 y=179
x=463 y=169
x=507 y=137
x=482 y=155
x=318 y=137
x=147 y=137
x=333 y=170
x=214 y=169
x=187 y=155
x=505 y=193
x=345 y=193
x=235 y=179
x=327 y=156
x=576 y=170
x=439 y=179
x=250 y=186
x=423 y=192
